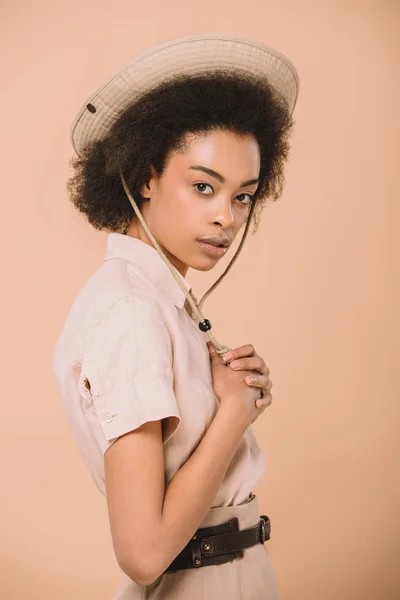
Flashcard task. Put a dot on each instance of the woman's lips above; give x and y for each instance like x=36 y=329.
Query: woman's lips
x=212 y=250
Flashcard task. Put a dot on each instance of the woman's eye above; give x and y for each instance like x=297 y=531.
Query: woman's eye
x=205 y=184
x=250 y=198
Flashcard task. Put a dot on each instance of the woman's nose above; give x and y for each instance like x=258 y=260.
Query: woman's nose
x=224 y=214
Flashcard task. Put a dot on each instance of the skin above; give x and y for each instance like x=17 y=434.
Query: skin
x=208 y=207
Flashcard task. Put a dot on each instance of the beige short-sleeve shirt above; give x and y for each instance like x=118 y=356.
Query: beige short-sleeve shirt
x=131 y=352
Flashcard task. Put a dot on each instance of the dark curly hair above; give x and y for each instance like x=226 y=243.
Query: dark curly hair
x=156 y=125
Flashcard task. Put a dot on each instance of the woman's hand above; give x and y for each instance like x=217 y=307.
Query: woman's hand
x=245 y=358
x=232 y=391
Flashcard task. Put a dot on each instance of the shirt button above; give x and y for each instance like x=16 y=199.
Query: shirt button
x=108 y=418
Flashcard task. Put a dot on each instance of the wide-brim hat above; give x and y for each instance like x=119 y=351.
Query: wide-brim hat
x=189 y=55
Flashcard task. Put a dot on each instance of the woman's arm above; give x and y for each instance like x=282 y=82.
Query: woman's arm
x=150 y=525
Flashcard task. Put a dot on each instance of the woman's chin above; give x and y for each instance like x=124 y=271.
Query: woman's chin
x=204 y=263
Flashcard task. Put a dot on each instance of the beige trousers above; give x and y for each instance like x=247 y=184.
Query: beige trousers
x=249 y=578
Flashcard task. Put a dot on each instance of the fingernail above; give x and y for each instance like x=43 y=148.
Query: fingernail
x=211 y=348
x=250 y=379
x=227 y=357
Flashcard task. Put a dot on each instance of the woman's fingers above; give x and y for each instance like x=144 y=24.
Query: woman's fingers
x=264 y=401
x=246 y=350
x=245 y=358
x=267 y=401
x=259 y=381
x=250 y=363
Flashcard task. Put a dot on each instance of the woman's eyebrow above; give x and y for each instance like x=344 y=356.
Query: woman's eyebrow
x=219 y=177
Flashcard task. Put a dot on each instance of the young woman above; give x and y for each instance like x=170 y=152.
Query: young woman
x=177 y=153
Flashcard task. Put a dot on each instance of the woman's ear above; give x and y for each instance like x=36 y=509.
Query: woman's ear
x=147 y=189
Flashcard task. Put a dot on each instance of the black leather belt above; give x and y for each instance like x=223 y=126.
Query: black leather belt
x=220 y=543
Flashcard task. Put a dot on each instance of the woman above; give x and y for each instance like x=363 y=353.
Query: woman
x=177 y=153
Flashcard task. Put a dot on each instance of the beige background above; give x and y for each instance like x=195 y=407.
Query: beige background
x=316 y=291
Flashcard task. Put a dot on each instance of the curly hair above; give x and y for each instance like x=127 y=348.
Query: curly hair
x=156 y=125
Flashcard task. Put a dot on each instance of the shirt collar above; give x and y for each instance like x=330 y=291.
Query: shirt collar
x=150 y=263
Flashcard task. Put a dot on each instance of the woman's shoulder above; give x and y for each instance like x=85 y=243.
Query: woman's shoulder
x=109 y=290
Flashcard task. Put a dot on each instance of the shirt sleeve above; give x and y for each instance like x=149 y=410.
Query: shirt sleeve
x=127 y=364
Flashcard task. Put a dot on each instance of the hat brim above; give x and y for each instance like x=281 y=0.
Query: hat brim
x=189 y=55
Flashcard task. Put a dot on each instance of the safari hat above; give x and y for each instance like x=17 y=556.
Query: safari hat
x=190 y=56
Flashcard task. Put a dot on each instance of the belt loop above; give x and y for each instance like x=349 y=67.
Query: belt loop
x=195 y=552
x=265 y=528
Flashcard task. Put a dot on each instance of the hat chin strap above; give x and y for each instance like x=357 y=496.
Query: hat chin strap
x=204 y=324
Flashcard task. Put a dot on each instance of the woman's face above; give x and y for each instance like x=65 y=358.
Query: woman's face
x=187 y=204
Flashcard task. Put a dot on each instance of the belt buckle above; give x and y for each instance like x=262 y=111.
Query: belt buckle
x=265 y=528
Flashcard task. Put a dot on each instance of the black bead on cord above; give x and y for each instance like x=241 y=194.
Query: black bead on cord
x=205 y=325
